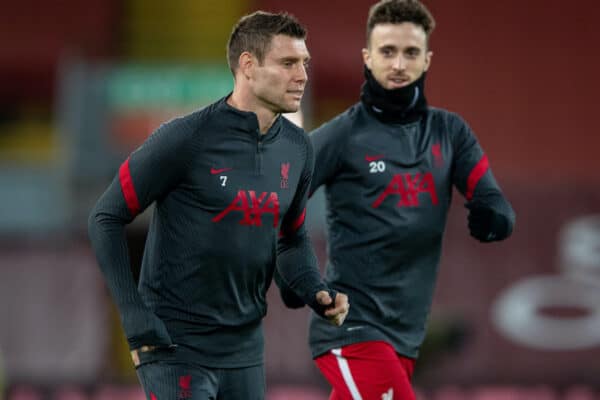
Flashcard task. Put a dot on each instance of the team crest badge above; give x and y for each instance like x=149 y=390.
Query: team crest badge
x=285 y=175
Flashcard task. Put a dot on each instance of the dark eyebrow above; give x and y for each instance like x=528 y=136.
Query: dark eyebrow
x=295 y=59
x=413 y=49
x=388 y=47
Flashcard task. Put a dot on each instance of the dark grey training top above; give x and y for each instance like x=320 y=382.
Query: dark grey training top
x=230 y=204
x=388 y=190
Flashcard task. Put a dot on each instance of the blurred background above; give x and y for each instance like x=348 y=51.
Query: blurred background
x=83 y=83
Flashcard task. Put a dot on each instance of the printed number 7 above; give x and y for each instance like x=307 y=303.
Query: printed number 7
x=223 y=179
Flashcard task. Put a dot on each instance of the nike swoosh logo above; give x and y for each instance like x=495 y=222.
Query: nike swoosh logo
x=374 y=158
x=354 y=328
x=215 y=171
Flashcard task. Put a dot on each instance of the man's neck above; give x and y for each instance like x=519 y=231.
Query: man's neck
x=265 y=117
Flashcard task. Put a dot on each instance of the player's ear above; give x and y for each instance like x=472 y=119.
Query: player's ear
x=245 y=64
x=366 y=57
x=428 y=57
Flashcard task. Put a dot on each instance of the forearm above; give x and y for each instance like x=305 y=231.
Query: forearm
x=491 y=217
x=297 y=266
x=108 y=239
x=494 y=200
x=106 y=227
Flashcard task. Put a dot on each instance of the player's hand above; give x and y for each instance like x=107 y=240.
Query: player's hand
x=336 y=309
x=486 y=225
x=144 y=328
x=135 y=354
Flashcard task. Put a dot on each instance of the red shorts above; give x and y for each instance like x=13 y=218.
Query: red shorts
x=367 y=371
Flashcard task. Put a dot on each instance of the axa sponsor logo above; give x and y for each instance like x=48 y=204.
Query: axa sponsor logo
x=407 y=188
x=252 y=206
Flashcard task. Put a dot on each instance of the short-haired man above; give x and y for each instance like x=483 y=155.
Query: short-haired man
x=230 y=183
x=388 y=165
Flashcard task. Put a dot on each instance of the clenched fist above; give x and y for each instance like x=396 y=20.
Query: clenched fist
x=336 y=309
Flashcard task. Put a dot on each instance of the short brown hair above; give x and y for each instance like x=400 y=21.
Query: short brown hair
x=254 y=32
x=398 y=11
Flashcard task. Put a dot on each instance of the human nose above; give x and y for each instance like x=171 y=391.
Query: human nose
x=399 y=63
x=301 y=74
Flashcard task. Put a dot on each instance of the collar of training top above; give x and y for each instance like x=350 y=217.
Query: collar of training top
x=246 y=121
x=401 y=105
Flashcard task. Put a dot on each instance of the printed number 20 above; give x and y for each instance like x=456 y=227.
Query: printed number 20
x=376 y=166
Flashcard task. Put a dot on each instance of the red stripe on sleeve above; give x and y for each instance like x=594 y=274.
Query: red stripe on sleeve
x=298 y=222
x=128 y=190
x=475 y=176
x=295 y=226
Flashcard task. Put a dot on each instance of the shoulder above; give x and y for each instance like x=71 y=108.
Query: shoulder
x=450 y=118
x=183 y=134
x=338 y=127
x=454 y=126
x=194 y=125
x=188 y=123
x=451 y=124
x=293 y=132
x=297 y=140
x=210 y=114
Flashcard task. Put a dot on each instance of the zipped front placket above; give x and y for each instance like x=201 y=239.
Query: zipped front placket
x=258 y=157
